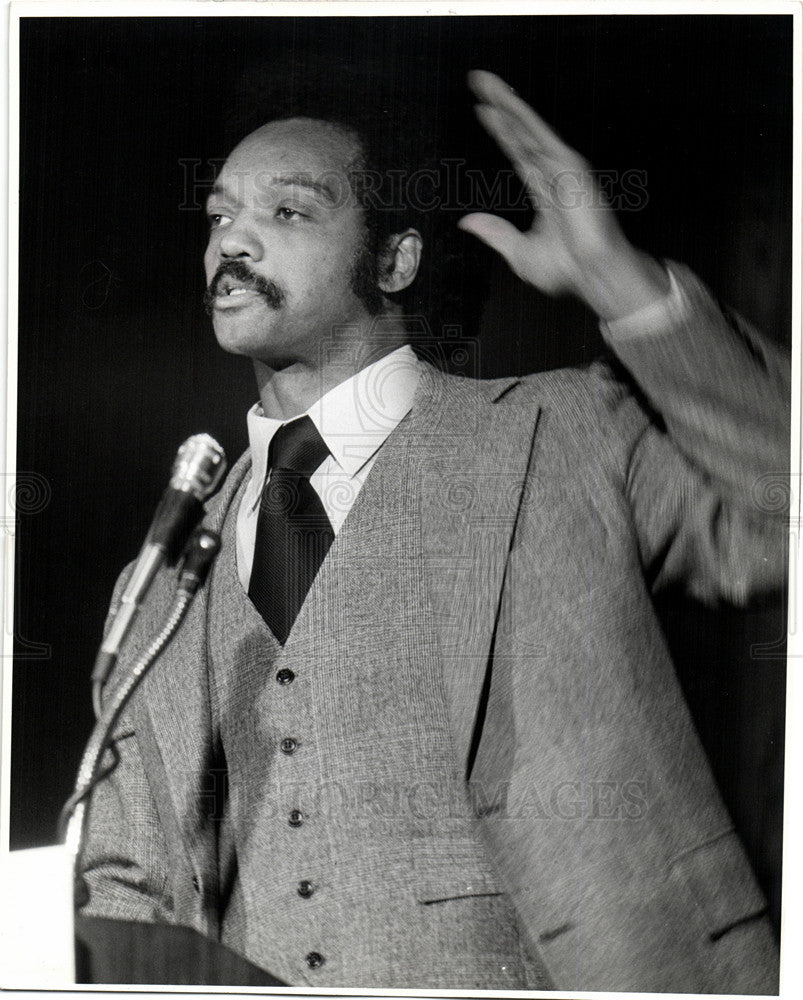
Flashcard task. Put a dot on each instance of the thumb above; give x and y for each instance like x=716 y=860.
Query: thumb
x=499 y=234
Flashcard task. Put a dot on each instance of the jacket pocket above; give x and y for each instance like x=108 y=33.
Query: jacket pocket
x=721 y=881
x=452 y=885
x=475 y=928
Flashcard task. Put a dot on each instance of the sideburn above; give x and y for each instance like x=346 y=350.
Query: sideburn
x=365 y=277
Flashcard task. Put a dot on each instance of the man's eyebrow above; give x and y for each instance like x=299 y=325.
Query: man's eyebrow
x=306 y=181
x=284 y=180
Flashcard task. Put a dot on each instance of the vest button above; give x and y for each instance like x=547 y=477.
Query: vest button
x=288 y=745
x=305 y=889
x=285 y=676
x=314 y=960
x=296 y=817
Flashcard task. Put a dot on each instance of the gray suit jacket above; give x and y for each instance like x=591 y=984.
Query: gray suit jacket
x=529 y=521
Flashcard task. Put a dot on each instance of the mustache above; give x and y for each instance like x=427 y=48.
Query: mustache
x=240 y=272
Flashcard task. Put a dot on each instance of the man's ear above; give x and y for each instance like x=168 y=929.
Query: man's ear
x=399 y=260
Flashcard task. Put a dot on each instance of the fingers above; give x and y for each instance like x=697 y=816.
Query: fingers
x=530 y=162
x=499 y=234
x=538 y=155
x=492 y=90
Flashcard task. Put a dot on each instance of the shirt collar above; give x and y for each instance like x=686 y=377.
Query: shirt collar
x=355 y=418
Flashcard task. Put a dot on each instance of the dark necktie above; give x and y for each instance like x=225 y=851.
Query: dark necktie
x=293 y=531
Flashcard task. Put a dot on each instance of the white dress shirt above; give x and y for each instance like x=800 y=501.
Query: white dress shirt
x=354 y=419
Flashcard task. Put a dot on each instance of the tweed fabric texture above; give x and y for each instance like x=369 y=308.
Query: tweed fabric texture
x=376 y=793
x=535 y=519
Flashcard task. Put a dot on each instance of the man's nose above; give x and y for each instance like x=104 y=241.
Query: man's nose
x=240 y=239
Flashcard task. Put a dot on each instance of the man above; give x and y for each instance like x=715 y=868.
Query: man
x=455 y=749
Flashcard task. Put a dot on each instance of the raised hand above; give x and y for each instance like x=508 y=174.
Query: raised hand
x=575 y=244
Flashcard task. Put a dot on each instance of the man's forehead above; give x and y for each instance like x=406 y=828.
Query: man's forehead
x=299 y=152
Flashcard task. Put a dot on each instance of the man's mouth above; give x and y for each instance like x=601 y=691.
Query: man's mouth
x=234 y=285
x=231 y=297
x=235 y=298
x=235 y=292
x=227 y=285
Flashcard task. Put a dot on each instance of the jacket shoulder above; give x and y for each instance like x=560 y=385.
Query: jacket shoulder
x=596 y=384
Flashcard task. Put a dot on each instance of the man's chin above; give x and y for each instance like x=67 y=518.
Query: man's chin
x=251 y=344
x=235 y=339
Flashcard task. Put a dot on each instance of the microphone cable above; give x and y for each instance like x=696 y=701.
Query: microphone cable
x=202 y=549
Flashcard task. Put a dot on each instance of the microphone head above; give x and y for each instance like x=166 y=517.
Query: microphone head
x=199 y=466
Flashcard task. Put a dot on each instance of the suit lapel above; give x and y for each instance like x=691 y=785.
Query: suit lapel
x=427 y=540
x=176 y=708
x=472 y=444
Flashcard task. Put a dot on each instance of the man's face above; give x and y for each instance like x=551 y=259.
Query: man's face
x=286 y=236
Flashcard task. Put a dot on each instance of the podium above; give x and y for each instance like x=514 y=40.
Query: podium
x=133 y=953
x=38 y=907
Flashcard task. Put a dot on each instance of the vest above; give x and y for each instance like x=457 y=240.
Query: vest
x=348 y=850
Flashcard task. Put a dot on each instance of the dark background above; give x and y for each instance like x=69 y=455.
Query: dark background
x=117 y=362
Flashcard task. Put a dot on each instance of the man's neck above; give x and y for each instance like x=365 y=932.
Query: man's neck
x=289 y=391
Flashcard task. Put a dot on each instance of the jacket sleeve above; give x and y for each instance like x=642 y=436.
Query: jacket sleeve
x=124 y=856
x=708 y=476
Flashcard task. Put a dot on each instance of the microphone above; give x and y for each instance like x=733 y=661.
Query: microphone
x=197 y=471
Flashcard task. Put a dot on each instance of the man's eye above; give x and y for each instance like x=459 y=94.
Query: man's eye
x=216 y=221
x=287 y=213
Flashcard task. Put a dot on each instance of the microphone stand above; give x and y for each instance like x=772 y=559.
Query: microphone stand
x=202 y=549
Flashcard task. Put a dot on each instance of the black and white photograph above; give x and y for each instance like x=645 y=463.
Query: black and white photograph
x=402 y=496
